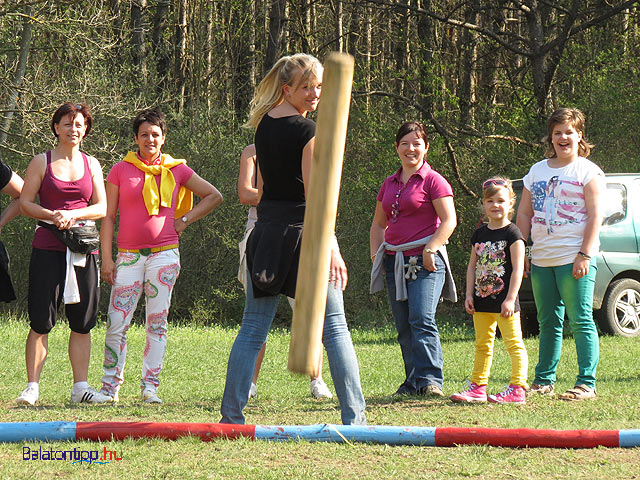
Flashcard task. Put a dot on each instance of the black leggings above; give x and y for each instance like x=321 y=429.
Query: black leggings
x=47 y=271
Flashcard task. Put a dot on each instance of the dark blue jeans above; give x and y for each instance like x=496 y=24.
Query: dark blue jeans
x=415 y=320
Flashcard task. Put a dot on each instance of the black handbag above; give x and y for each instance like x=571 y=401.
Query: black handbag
x=79 y=239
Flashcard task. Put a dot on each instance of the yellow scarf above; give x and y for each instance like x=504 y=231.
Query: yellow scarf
x=153 y=198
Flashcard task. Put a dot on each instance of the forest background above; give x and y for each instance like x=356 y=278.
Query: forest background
x=482 y=75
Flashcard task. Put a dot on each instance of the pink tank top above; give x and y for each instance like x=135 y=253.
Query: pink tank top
x=56 y=194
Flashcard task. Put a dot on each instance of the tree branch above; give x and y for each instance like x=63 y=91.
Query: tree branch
x=495 y=36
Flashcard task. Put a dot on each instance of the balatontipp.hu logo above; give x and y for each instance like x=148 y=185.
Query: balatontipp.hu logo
x=75 y=455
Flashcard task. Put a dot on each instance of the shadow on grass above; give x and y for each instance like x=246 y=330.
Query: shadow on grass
x=405 y=401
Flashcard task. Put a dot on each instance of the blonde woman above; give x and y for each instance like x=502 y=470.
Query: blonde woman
x=249 y=195
x=284 y=143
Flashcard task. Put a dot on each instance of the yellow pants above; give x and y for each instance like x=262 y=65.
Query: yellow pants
x=485 y=326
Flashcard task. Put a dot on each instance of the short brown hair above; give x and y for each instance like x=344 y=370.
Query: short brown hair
x=575 y=118
x=72 y=109
x=152 y=116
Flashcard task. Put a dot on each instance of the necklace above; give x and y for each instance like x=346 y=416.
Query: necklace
x=395 y=207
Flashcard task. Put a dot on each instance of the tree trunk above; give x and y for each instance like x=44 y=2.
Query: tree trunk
x=160 y=47
x=401 y=50
x=353 y=38
x=467 y=68
x=180 y=61
x=276 y=32
x=116 y=15
x=339 y=27
x=305 y=15
x=368 y=13
x=209 y=56
x=426 y=45
x=18 y=77
x=138 y=47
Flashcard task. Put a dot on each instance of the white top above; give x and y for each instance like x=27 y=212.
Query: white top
x=559 y=210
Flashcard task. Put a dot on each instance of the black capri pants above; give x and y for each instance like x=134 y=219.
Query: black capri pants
x=47 y=270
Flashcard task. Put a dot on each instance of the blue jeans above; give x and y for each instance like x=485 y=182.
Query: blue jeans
x=258 y=315
x=556 y=290
x=415 y=320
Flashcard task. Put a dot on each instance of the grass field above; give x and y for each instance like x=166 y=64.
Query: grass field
x=193 y=380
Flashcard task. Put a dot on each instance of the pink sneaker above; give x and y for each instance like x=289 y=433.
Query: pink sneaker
x=512 y=394
x=473 y=394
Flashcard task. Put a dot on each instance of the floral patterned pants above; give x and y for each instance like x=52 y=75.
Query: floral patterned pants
x=155 y=274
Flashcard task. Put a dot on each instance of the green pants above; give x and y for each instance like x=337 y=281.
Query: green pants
x=556 y=291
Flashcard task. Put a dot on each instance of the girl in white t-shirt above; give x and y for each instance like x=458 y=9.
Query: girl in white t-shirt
x=559 y=208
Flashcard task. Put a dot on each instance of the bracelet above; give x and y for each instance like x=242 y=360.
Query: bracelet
x=429 y=250
x=373 y=256
x=584 y=255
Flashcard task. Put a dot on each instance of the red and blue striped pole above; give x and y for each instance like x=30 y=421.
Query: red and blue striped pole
x=389 y=435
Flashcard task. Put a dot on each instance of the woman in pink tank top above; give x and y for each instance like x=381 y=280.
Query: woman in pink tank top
x=70 y=188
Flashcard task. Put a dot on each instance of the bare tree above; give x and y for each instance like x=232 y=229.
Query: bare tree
x=23 y=56
x=138 y=46
x=275 y=34
x=467 y=67
x=160 y=47
x=180 y=52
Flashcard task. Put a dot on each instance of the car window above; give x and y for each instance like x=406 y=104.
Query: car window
x=614 y=204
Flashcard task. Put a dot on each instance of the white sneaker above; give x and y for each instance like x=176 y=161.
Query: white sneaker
x=29 y=396
x=319 y=389
x=114 y=398
x=89 y=395
x=150 y=396
x=253 y=391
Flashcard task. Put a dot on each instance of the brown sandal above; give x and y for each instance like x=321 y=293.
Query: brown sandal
x=578 y=393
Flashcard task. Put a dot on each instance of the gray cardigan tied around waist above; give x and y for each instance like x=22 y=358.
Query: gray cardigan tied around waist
x=377 y=281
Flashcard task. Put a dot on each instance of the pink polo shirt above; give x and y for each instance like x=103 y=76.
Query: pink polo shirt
x=137 y=229
x=416 y=216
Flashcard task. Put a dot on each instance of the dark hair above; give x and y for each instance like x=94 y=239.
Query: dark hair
x=409 y=127
x=575 y=118
x=72 y=109
x=152 y=116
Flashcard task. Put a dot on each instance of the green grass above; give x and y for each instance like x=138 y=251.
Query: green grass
x=193 y=381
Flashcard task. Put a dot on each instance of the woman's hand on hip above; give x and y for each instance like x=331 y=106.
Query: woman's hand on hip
x=338 y=270
x=179 y=225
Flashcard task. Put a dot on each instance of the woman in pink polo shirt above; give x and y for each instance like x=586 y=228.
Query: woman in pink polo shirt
x=413 y=221
x=152 y=193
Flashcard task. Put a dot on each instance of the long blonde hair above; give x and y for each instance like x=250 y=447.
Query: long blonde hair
x=269 y=92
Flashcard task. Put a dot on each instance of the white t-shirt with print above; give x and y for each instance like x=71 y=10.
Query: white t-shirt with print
x=559 y=210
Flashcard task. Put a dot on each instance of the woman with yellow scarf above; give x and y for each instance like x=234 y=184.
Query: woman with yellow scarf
x=152 y=192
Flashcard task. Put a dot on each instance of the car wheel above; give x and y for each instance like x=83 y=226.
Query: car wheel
x=620 y=311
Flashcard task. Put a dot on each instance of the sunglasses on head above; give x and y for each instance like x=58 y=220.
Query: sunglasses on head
x=495 y=181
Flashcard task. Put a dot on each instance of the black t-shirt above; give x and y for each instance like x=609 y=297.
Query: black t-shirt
x=279 y=144
x=5 y=174
x=493 y=266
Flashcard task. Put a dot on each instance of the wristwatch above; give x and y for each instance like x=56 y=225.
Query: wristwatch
x=184 y=219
